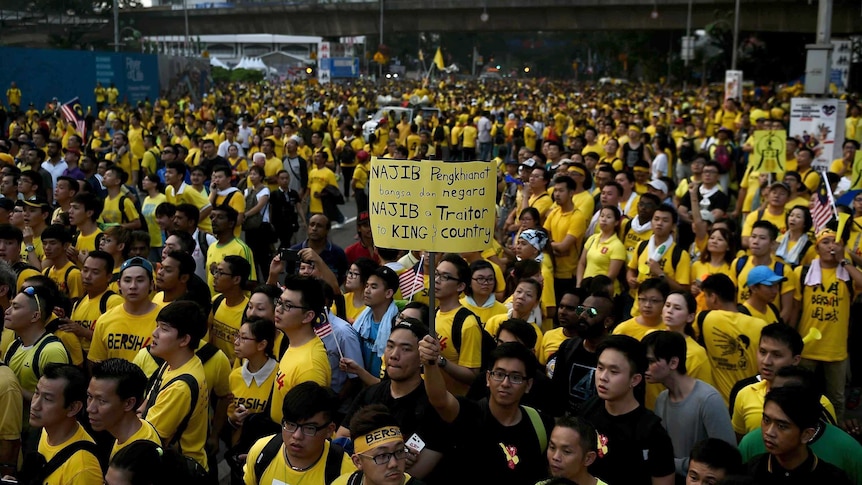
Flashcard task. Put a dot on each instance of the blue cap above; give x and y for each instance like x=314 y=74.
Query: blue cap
x=139 y=262
x=763 y=275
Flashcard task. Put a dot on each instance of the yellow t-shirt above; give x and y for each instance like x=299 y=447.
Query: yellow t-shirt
x=585 y=204
x=559 y=225
x=634 y=329
x=68 y=279
x=697 y=363
x=542 y=202
x=700 y=270
x=747 y=412
x=216 y=369
x=188 y=195
x=469 y=136
x=493 y=325
x=350 y=310
x=224 y=325
x=172 y=406
x=148 y=212
x=769 y=316
x=127 y=162
x=308 y=362
x=146 y=433
x=237 y=201
x=631 y=239
x=681 y=273
x=87 y=311
x=119 y=334
x=136 y=140
x=318 y=179
x=21 y=362
x=470 y=354
x=271 y=168
x=360 y=176
x=149 y=164
x=88 y=242
x=111 y=214
x=551 y=341
x=779 y=220
x=217 y=252
x=11 y=405
x=82 y=468
x=37 y=248
x=827 y=308
x=249 y=390
x=601 y=253
x=278 y=472
x=485 y=313
x=731 y=342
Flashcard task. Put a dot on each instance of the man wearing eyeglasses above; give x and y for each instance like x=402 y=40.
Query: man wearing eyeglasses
x=224 y=219
x=380 y=453
x=301 y=453
x=497 y=440
x=229 y=303
x=296 y=312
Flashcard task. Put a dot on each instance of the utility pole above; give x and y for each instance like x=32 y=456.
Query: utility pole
x=116 y=25
x=380 y=43
x=818 y=64
x=735 y=35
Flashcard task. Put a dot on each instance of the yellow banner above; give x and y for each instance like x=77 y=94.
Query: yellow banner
x=857 y=172
x=431 y=205
x=770 y=151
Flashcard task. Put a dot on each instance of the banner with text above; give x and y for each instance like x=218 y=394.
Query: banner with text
x=431 y=205
x=818 y=123
x=770 y=151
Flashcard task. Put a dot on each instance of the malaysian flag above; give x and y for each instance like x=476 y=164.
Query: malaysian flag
x=822 y=205
x=412 y=281
x=324 y=328
x=73 y=113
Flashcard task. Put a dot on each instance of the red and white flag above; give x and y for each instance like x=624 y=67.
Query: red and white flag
x=822 y=205
x=412 y=281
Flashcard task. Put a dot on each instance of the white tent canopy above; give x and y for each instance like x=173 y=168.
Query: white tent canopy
x=253 y=63
x=215 y=62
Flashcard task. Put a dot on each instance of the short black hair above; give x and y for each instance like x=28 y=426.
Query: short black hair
x=307 y=399
x=522 y=331
x=187 y=262
x=166 y=209
x=668 y=209
x=655 y=284
x=76 y=382
x=518 y=351
x=667 y=345
x=239 y=266
x=91 y=203
x=717 y=454
x=263 y=329
x=131 y=380
x=721 y=286
x=800 y=405
x=191 y=212
x=771 y=228
x=120 y=173
x=188 y=318
x=784 y=334
x=461 y=266
x=8 y=232
x=230 y=212
x=369 y=418
x=103 y=256
x=311 y=296
x=586 y=431
x=633 y=350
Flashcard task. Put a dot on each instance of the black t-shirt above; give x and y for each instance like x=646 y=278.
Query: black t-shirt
x=813 y=470
x=633 y=447
x=574 y=370
x=488 y=452
x=541 y=395
x=718 y=200
x=413 y=412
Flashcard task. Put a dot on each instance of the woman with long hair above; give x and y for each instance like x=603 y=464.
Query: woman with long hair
x=604 y=253
x=354 y=287
x=795 y=246
x=716 y=258
x=678 y=315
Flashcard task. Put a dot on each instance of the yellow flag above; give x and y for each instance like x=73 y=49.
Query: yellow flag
x=421 y=56
x=438 y=60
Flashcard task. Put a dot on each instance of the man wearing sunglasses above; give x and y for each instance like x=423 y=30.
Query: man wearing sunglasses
x=380 y=453
x=301 y=453
x=496 y=440
x=573 y=369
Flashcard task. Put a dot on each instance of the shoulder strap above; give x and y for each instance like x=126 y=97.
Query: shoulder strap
x=538 y=426
x=64 y=454
x=122 y=206
x=701 y=317
x=206 y=352
x=66 y=277
x=458 y=325
x=202 y=242
x=675 y=255
x=740 y=263
x=194 y=388
x=103 y=302
x=355 y=478
x=217 y=303
x=229 y=196
x=37 y=372
x=641 y=247
x=743 y=309
x=332 y=469
x=270 y=450
x=776 y=311
x=12 y=349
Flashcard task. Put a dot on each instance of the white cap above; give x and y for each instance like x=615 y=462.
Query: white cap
x=658 y=185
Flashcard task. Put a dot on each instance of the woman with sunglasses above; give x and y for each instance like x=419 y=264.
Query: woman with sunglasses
x=479 y=295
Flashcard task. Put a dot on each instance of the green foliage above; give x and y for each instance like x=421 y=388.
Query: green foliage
x=220 y=74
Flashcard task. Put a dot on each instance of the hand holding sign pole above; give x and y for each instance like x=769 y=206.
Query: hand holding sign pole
x=432 y=206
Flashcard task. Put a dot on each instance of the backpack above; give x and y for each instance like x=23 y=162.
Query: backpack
x=686 y=150
x=254 y=221
x=20 y=266
x=779 y=269
x=34 y=364
x=348 y=154
x=203 y=243
x=745 y=311
x=488 y=342
x=124 y=219
x=675 y=254
x=499 y=134
x=103 y=302
x=331 y=471
x=35 y=470
x=65 y=288
x=723 y=156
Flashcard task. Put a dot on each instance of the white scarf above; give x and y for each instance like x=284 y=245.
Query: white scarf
x=489 y=303
x=535 y=316
x=705 y=194
x=791 y=256
x=815 y=274
x=640 y=228
x=656 y=253
x=227 y=191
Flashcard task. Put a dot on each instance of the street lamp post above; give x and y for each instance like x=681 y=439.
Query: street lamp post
x=380 y=66
x=116 y=26
x=735 y=36
x=186 y=18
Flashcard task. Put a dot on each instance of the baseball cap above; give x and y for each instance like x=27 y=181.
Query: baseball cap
x=658 y=185
x=389 y=276
x=763 y=275
x=413 y=325
x=780 y=184
x=37 y=202
x=363 y=218
x=7 y=203
x=139 y=262
x=529 y=163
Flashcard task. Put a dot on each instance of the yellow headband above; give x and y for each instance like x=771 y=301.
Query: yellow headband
x=378 y=437
x=580 y=170
x=824 y=234
x=640 y=169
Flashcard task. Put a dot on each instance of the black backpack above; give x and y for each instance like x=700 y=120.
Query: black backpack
x=488 y=342
x=203 y=243
x=36 y=470
x=103 y=302
x=65 y=279
x=124 y=219
x=331 y=471
x=675 y=253
x=34 y=364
